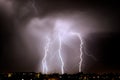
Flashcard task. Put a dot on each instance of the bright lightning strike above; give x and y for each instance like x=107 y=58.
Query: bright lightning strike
x=63 y=32
x=81 y=52
x=44 y=63
x=61 y=28
x=60 y=43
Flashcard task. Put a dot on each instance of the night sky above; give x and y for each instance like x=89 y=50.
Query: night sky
x=103 y=42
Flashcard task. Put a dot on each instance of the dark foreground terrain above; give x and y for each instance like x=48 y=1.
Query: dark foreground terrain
x=55 y=76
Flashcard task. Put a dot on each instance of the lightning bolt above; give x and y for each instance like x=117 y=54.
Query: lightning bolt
x=81 y=51
x=62 y=34
x=60 y=47
x=34 y=7
x=44 y=62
